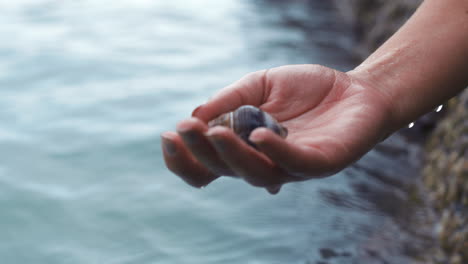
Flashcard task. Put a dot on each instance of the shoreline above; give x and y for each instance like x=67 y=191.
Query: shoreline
x=442 y=136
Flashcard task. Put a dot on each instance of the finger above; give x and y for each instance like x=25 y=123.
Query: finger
x=192 y=132
x=301 y=161
x=249 y=90
x=274 y=189
x=247 y=163
x=181 y=162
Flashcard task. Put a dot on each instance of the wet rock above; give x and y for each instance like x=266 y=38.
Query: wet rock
x=445 y=170
x=445 y=175
x=375 y=21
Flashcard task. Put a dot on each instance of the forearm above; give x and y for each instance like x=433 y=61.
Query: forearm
x=424 y=63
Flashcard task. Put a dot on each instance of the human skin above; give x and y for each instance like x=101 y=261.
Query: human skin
x=333 y=117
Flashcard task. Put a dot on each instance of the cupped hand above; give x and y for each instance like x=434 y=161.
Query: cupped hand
x=333 y=118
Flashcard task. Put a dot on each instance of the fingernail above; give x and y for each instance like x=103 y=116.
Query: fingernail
x=218 y=143
x=195 y=112
x=169 y=146
x=190 y=137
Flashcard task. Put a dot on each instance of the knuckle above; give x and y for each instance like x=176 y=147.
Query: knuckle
x=255 y=77
x=255 y=74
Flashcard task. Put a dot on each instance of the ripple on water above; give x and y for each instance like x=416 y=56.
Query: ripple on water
x=87 y=86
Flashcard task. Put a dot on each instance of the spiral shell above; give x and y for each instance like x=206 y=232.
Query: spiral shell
x=247 y=118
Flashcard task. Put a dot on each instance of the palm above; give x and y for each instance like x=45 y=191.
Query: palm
x=337 y=115
x=332 y=120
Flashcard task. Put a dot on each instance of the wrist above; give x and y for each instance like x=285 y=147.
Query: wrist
x=421 y=66
x=384 y=105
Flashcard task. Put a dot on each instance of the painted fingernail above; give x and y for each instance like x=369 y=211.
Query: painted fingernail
x=218 y=143
x=169 y=146
x=195 y=111
x=190 y=137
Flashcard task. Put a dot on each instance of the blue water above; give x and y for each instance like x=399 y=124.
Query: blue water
x=86 y=88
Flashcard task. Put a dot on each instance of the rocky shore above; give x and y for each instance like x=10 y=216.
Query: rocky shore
x=444 y=175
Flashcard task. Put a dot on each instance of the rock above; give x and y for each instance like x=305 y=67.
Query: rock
x=445 y=170
x=445 y=175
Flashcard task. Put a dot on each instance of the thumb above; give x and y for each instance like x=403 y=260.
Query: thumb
x=249 y=90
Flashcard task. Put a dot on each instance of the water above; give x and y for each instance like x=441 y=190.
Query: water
x=86 y=88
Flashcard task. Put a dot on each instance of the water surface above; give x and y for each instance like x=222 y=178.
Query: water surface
x=86 y=88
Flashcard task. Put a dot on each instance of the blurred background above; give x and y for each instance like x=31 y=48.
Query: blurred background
x=86 y=88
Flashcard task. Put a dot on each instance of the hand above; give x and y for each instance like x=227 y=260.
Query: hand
x=333 y=119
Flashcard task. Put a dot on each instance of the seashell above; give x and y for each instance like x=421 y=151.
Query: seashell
x=247 y=118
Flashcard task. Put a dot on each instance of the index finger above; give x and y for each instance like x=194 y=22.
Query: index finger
x=249 y=90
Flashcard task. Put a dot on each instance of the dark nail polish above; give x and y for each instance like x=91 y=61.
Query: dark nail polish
x=219 y=144
x=191 y=137
x=169 y=146
x=194 y=113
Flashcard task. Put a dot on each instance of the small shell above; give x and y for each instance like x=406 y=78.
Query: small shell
x=247 y=118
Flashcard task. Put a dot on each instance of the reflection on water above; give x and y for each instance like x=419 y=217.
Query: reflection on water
x=88 y=86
